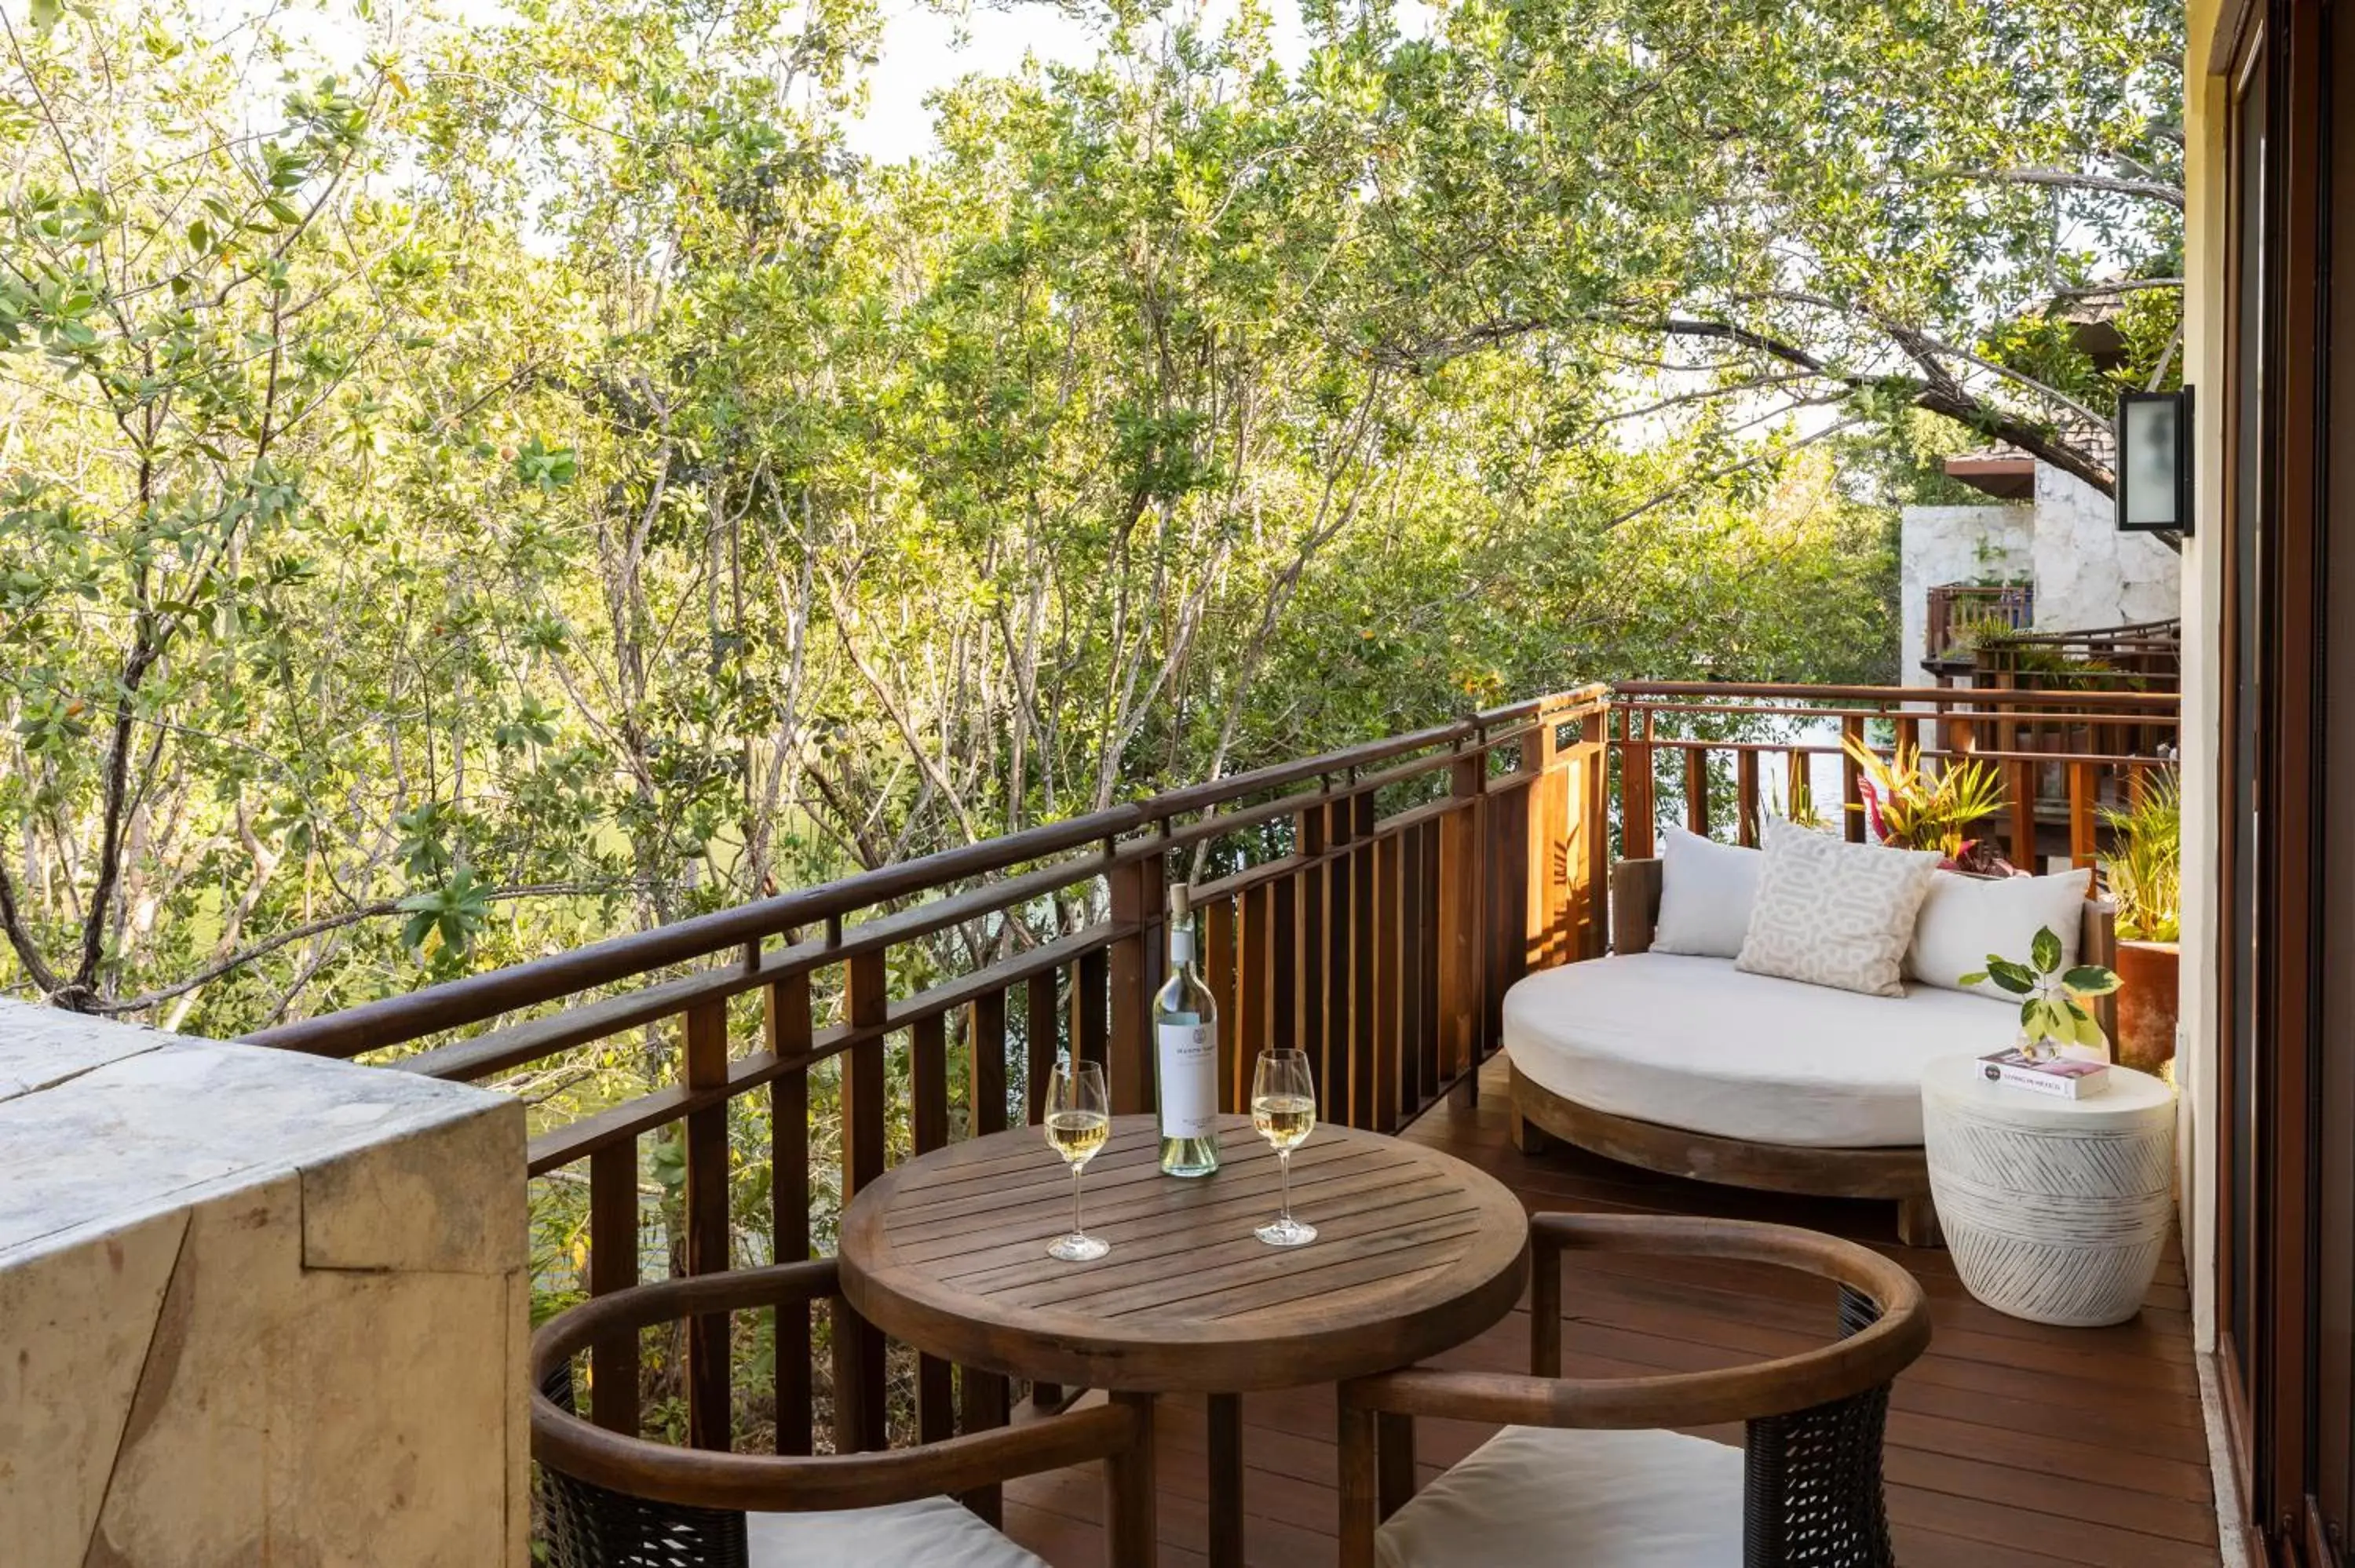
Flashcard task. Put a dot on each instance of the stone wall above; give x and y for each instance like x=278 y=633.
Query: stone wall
x=2088 y=575
x=259 y=1307
x=1942 y=545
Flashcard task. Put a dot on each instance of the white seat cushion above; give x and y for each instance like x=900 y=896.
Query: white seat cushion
x=938 y=1532
x=1536 y=1498
x=1697 y=1043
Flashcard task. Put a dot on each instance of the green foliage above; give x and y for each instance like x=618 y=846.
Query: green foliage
x=1911 y=808
x=534 y=481
x=2053 y=1003
x=2145 y=873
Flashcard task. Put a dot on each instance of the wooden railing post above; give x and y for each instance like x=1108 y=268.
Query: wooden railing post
x=1363 y=1044
x=1393 y=1062
x=1590 y=809
x=1697 y=791
x=1284 y=966
x=1310 y=917
x=1216 y=924
x=1636 y=810
x=2020 y=780
x=1551 y=834
x=858 y=1421
x=2082 y=783
x=985 y=1394
x=1851 y=781
x=1745 y=798
x=787 y=1030
x=1092 y=1012
x=1042 y=1033
x=613 y=1265
x=709 y=1399
x=1136 y=900
x=928 y=1129
x=1458 y=917
x=1419 y=1067
x=1255 y=950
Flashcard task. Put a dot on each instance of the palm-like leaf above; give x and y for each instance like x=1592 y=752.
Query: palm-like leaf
x=1911 y=808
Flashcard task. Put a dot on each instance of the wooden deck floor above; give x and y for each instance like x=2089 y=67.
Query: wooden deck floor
x=2010 y=1444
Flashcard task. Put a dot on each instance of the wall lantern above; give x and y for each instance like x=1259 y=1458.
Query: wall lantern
x=2155 y=462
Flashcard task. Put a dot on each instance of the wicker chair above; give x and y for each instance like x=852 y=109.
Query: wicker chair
x=610 y=1500
x=1585 y=1474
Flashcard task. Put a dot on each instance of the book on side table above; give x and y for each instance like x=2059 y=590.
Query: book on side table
x=2068 y=1078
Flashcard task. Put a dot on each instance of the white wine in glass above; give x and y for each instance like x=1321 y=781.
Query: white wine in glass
x=1078 y=1121
x=1284 y=1110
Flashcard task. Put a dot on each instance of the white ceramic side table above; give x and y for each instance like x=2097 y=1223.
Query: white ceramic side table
x=2055 y=1210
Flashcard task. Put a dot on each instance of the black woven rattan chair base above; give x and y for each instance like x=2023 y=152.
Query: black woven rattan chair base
x=587 y=1526
x=1812 y=1494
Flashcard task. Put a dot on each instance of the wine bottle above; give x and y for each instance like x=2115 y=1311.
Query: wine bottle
x=1185 y=1040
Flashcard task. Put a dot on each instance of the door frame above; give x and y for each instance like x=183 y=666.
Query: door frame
x=2280 y=1426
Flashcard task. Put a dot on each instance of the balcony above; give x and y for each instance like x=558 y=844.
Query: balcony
x=1371 y=906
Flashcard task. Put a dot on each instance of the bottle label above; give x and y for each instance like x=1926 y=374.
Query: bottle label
x=1189 y=1079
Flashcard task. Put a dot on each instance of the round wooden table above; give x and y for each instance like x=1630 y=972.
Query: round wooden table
x=1416 y=1252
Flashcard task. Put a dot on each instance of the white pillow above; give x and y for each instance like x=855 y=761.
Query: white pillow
x=1706 y=891
x=1832 y=913
x=1965 y=919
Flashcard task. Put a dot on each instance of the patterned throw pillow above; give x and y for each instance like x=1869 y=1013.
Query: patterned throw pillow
x=1836 y=914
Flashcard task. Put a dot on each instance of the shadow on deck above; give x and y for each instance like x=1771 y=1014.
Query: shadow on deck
x=2009 y=1443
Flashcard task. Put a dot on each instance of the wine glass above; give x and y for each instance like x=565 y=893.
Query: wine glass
x=1284 y=1110
x=1079 y=1120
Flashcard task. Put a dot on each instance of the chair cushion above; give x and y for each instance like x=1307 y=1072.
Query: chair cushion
x=1534 y=1496
x=1697 y=1043
x=1835 y=914
x=1707 y=890
x=938 y=1532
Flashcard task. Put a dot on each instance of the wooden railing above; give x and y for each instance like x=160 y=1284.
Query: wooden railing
x=1956 y=607
x=2060 y=759
x=1380 y=900
x=2147 y=656
x=1371 y=906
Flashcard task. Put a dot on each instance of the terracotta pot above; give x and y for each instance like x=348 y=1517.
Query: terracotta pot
x=2146 y=998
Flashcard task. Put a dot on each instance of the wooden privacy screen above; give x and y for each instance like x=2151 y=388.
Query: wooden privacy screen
x=1412 y=881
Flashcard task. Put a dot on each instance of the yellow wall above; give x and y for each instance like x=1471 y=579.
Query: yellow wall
x=2204 y=370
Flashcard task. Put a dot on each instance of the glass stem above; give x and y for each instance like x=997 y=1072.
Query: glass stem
x=1075 y=1202
x=1283 y=1164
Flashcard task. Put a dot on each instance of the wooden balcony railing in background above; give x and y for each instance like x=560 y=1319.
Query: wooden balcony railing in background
x=2061 y=758
x=1955 y=609
x=2147 y=656
x=1382 y=899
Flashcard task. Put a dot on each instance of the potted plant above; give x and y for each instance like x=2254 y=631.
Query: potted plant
x=1908 y=807
x=2053 y=1014
x=2145 y=873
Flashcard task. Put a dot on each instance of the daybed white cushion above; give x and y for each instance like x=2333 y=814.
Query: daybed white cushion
x=1706 y=891
x=1534 y=1496
x=1967 y=917
x=936 y=1532
x=1835 y=914
x=1697 y=1043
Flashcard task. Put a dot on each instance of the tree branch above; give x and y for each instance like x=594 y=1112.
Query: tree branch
x=2060 y=179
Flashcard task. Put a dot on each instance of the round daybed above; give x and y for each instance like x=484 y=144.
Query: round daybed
x=1689 y=1066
